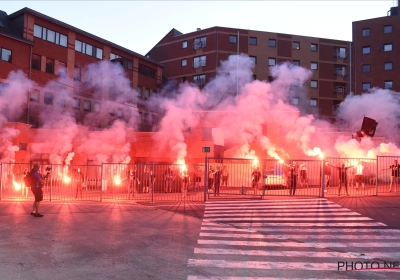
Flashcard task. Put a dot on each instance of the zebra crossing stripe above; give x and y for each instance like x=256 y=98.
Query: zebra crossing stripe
x=300 y=244
x=295 y=219
x=262 y=265
x=297 y=206
x=303 y=253
x=262 y=225
x=316 y=210
x=195 y=277
x=219 y=227
x=293 y=236
x=268 y=201
x=252 y=214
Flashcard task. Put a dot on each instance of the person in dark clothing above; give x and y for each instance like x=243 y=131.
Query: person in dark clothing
x=79 y=181
x=327 y=173
x=148 y=179
x=185 y=182
x=168 y=179
x=255 y=178
x=342 y=177
x=217 y=180
x=37 y=191
x=394 y=179
x=132 y=180
x=210 y=178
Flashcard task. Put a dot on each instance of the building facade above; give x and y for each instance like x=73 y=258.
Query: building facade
x=376 y=44
x=196 y=56
x=48 y=50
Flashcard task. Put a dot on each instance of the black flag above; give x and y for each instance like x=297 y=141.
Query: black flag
x=368 y=128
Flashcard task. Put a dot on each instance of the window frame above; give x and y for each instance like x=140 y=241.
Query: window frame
x=387 y=45
x=184 y=62
x=365 y=84
x=48 y=97
x=295 y=101
x=40 y=62
x=315 y=82
x=366 y=32
x=272 y=41
x=294 y=47
x=55 y=37
x=366 y=68
x=31 y=99
x=385 y=27
x=50 y=65
x=311 y=102
x=271 y=59
x=386 y=83
x=314 y=63
x=388 y=63
x=233 y=37
x=250 y=41
x=316 y=47
x=3 y=55
x=184 y=44
x=253 y=59
x=366 y=48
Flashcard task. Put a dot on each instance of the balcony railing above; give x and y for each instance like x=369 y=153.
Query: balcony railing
x=199 y=63
x=200 y=82
x=339 y=71
x=340 y=53
x=339 y=89
x=199 y=45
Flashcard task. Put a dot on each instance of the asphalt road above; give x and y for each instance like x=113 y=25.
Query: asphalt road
x=242 y=240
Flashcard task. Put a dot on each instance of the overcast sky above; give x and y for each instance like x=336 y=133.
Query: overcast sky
x=139 y=25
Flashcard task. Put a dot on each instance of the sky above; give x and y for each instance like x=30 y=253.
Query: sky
x=139 y=25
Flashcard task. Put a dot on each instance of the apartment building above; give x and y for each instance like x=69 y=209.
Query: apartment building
x=46 y=49
x=376 y=44
x=195 y=57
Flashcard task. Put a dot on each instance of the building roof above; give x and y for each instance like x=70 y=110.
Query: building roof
x=7 y=28
x=77 y=30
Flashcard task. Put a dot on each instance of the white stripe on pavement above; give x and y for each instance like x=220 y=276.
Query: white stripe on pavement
x=281 y=214
x=195 y=277
x=294 y=219
x=314 y=210
x=370 y=224
x=265 y=201
x=297 y=206
x=299 y=244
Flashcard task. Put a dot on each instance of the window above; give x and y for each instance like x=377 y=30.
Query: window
x=296 y=45
x=387 y=47
x=272 y=43
x=96 y=107
x=296 y=62
x=61 y=102
x=50 y=65
x=388 y=66
x=295 y=101
x=124 y=62
x=366 y=86
x=36 y=59
x=339 y=52
x=313 y=102
x=76 y=103
x=388 y=84
x=184 y=62
x=366 y=68
x=87 y=105
x=314 y=47
x=199 y=61
x=253 y=41
x=366 y=32
x=147 y=71
x=232 y=39
x=5 y=54
x=23 y=146
x=253 y=59
x=272 y=61
x=314 y=84
x=77 y=73
x=82 y=47
x=387 y=29
x=184 y=44
x=50 y=35
x=199 y=80
x=314 y=65
x=35 y=95
x=147 y=93
x=48 y=98
x=199 y=43
x=139 y=92
x=366 y=50
x=62 y=69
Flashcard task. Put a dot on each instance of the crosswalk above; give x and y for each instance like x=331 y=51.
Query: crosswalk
x=292 y=239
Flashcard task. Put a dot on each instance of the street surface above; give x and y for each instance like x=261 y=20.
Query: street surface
x=235 y=239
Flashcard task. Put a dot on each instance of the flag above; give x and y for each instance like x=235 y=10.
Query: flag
x=368 y=128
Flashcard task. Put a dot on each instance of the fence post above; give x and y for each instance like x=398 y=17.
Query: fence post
x=152 y=176
x=205 y=178
x=323 y=178
x=376 y=181
x=51 y=181
x=1 y=180
x=101 y=183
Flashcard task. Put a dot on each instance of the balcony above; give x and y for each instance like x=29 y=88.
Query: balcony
x=339 y=71
x=199 y=45
x=339 y=89
x=340 y=53
x=199 y=63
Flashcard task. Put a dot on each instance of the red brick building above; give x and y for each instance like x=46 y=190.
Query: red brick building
x=195 y=57
x=46 y=49
x=376 y=44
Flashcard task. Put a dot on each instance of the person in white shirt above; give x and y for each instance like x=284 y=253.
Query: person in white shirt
x=359 y=176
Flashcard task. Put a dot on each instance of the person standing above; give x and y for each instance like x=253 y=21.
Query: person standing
x=132 y=180
x=292 y=177
x=210 y=178
x=36 y=188
x=343 y=177
x=303 y=175
x=217 y=180
x=394 y=179
x=255 y=178
x=225 y=175
x=168 y=179
x=327 y=174
x=148 y=179
x=185 y=182
x=359 y=176
x=24 y=188
x=79 y=181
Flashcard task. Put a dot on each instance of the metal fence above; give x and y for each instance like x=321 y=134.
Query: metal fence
x=217 y=177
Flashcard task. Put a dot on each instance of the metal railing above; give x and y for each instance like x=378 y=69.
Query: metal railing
x=220 y=177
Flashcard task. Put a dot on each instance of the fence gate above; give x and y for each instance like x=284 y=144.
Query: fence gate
x=227 y=177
